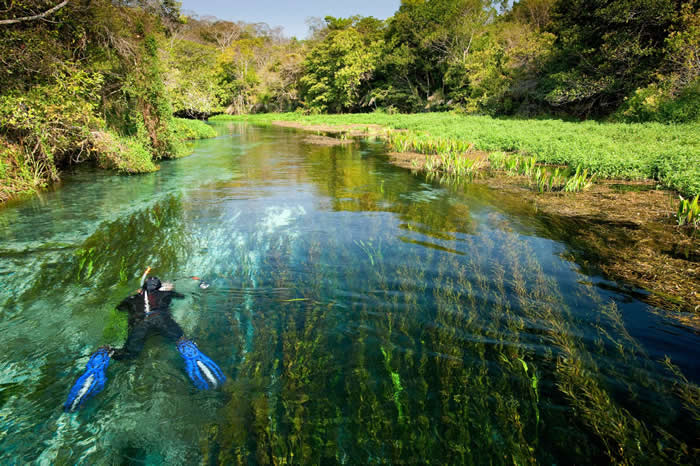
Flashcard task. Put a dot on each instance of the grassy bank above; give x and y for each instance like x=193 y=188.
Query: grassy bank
x=193 y=129
x=24 y=172
x=669 y=154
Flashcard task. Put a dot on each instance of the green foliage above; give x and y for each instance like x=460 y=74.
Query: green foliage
x=579 y=181
x=423 y=40
x=149 y=115
x=657 y=103
x=192 y=78
x=193 y=129
x=19 y=174
x=85 y=86
x=544 y=178
x=123 y=68
x=548 y=181
x=606 y=50
x=576 y=58
x=124 y=154
x=53 y=121
x=338 y=67
x=496 y=76
x=689 y=212
x=674 y=96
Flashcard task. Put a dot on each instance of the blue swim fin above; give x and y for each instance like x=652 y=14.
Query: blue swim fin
x=91 y=382
x=204 y=372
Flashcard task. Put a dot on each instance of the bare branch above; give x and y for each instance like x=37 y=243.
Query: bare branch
x=39 y=16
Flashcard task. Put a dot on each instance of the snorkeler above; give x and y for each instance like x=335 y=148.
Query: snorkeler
x=148 y=313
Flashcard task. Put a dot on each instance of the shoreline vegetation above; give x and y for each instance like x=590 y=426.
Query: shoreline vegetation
x=667 y=154
x=456 y=88
x=21 y=175
x=622 y=228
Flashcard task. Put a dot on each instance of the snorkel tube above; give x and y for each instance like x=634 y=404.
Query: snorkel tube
x=143 y=277
x=147 y=307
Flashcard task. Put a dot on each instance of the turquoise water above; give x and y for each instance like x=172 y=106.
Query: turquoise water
x=362 y=314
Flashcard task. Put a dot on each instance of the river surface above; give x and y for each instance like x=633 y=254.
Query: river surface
x=363 y=314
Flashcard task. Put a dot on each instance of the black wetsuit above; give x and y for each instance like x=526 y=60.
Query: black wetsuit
x=141 y=325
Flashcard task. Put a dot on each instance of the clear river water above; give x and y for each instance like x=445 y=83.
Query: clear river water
x=362 y=314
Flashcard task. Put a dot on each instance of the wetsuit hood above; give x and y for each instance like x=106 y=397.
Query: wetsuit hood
x=152 y=284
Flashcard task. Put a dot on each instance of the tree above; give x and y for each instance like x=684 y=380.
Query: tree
x=422 y=39
x=605 y=50
x=338 y=67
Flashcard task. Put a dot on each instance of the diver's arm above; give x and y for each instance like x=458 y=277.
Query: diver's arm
x=126 y=305
x=168 y=289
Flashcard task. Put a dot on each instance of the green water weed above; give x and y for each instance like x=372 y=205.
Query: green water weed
x=579 y=181
x=688 y=212
x=123 y=274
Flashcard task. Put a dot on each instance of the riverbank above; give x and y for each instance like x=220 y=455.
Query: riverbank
x=668 y=154
x=621 y=228
x=23 y=174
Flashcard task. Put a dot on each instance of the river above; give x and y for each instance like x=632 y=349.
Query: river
x=362 y=314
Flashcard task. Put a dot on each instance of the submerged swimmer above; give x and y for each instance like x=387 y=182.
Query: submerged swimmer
x=149 y=313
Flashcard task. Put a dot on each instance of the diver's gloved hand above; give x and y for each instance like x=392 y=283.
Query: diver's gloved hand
x=91 y=382
x=203 y=371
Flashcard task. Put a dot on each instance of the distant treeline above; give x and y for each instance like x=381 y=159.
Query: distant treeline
x=632 y=60
x=100 y=80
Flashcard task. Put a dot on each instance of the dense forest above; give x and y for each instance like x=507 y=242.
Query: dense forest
x=101 y=80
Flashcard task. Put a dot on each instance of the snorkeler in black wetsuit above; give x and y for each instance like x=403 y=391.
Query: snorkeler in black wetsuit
x=149 y=313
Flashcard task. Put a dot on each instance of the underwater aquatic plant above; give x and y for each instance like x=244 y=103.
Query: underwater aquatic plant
x=396 y=382
x=123 y=274
x=86 y=262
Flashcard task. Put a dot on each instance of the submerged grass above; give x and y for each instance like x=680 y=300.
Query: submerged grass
x=669 y=154
x=473 y=386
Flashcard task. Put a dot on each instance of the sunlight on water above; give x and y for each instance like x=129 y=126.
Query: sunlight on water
x=360 y=313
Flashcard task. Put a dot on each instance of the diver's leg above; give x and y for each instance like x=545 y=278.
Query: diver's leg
x=169 y=328
x=134 y=342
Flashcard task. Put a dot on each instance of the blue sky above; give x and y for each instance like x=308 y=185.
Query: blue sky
x=291 y=15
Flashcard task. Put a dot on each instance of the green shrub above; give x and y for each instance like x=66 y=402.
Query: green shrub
x=193 y=129
x=17 y=176
x=52 y=122
x=657 y=103
x=123 y=154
